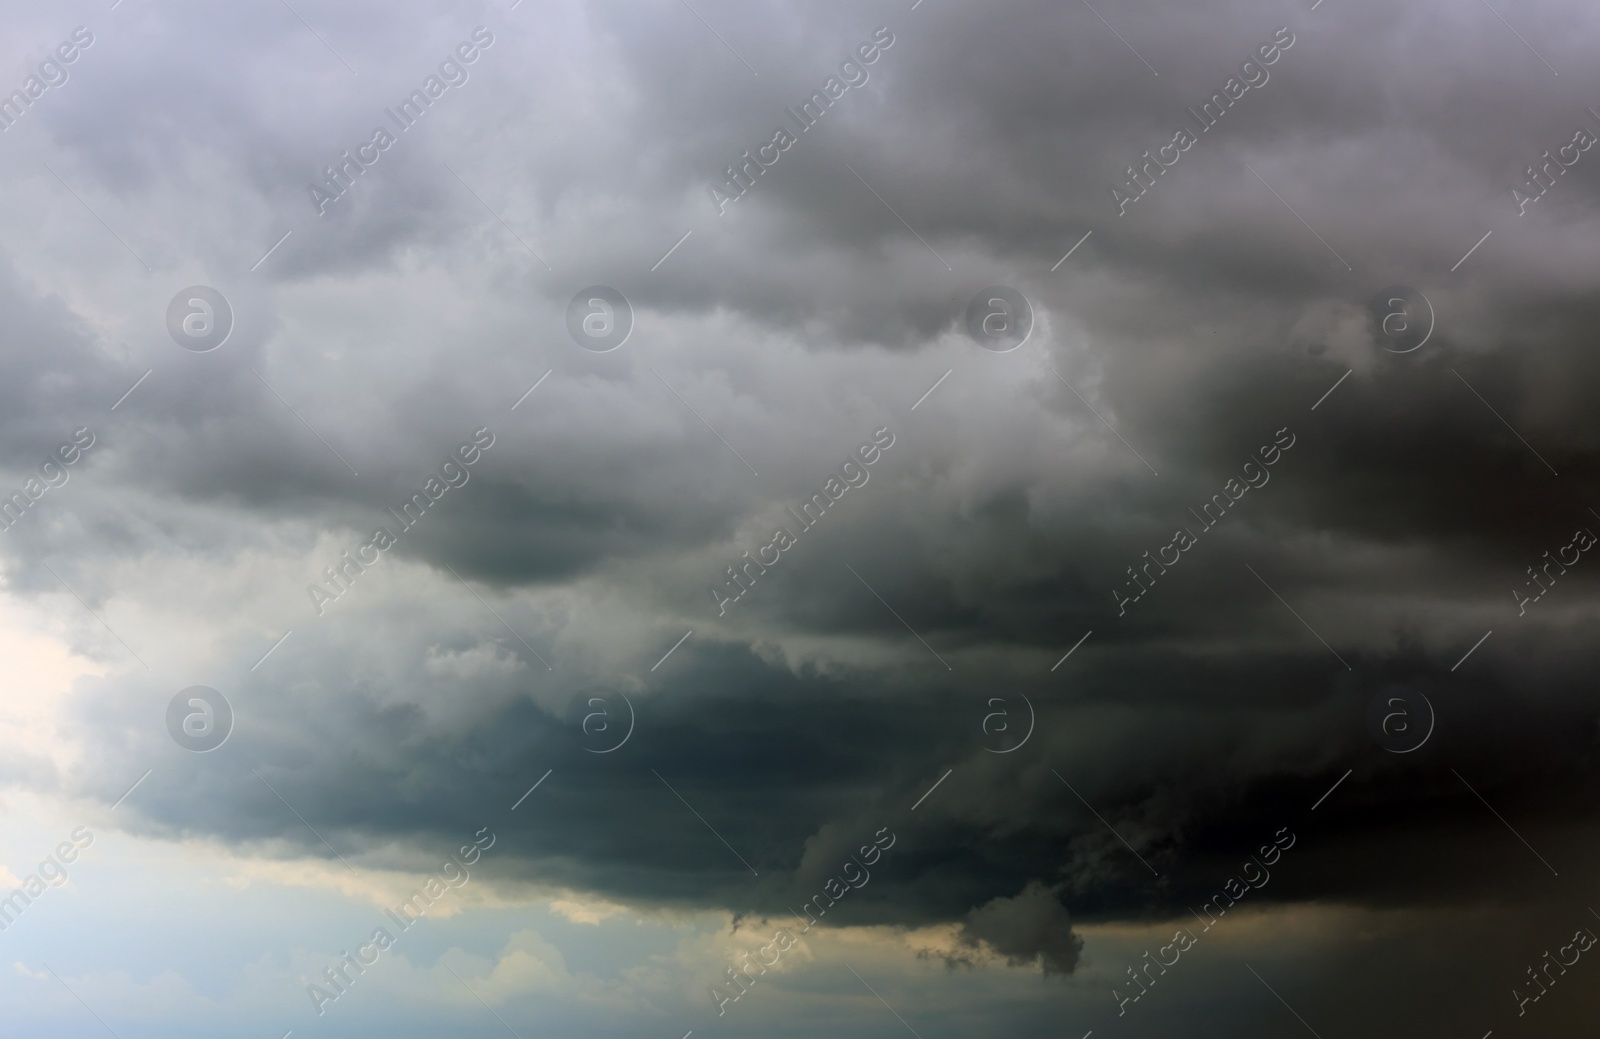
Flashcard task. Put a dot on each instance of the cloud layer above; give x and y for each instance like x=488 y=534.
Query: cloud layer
x=1235 y=625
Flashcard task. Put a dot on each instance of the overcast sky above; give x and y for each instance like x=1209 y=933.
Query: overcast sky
x=1225 y=584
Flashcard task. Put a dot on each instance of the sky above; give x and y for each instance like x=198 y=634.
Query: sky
x=681 y=516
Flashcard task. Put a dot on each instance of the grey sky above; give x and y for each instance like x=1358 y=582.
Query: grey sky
x=1177 y=339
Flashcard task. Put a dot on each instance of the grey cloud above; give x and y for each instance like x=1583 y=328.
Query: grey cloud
x=1032 y=927
x=997 y=529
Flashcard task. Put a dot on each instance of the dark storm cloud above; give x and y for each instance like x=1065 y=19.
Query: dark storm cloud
x=1033 y=926
x=1195 y=765
x=1199 y=323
